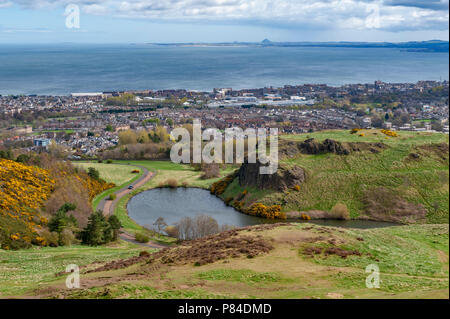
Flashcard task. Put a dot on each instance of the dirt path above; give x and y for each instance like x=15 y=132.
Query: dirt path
x=108 y=206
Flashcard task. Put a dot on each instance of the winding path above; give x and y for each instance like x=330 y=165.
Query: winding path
x=108 y=206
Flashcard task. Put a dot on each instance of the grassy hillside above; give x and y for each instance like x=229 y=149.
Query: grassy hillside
x=412 y=170
x=279 y=261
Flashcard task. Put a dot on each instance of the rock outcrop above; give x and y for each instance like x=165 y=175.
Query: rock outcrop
x=312 y=146
x=286 y=177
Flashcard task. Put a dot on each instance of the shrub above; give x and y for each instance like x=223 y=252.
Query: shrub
x=340 y=211
x=14 y=233
x=23 y=190
x=228 y=200
x=389 y=133
x=135 y=171
x=297 y=188
x=144 y=253
x=172 y=183
x=50 y=238
x=305 y=217
x=269 y=212
x=112 y=197
x=210 y=171
x=23 y=158
x=141 y=237
x=67 y=238
x=219 y=187
x=109 y=161
x=172 y=231
x=93 y=173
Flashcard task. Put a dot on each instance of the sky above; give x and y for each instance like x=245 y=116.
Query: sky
x=169 y=21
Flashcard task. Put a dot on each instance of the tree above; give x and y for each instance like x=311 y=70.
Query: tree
x=376 y=121
x=98 y=231
x=386 y=116
x=160 y=224
x=6 y=154
x=61 y=222
x=437 y=126
x=115 y=224
x=109 y=128
x=127 y=137
x=93 y=173
x=23 y=158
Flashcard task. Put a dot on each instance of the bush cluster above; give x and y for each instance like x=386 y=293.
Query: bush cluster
x=269 y=212
x=141 y=237
x=219 y=187
x=389 y=133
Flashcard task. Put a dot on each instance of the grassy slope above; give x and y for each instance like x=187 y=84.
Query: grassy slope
x=334 y=178
x=413 y=263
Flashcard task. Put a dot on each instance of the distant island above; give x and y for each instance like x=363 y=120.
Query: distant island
x=412 y=46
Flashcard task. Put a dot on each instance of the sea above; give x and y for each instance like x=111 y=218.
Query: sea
x=73 y=68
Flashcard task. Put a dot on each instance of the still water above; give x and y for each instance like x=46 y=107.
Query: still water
x=174 y=204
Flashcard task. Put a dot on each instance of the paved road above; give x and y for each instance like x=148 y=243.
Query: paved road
x=108 y=206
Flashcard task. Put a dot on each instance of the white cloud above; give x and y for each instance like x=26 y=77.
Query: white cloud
x=391 y=15
x=5 y=4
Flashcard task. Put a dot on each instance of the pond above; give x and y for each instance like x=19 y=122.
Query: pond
x=174 y=204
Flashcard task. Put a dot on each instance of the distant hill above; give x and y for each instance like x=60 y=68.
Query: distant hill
x=413 y=46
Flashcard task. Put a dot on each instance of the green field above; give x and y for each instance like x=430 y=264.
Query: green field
x=113 y=173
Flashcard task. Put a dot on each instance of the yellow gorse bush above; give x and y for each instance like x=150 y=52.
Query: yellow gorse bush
x=269 y=212
x=23 y=189
x=389 y=133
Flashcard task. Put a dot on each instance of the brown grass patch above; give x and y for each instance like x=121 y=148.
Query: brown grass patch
x=383 y=204
x=228 y=244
